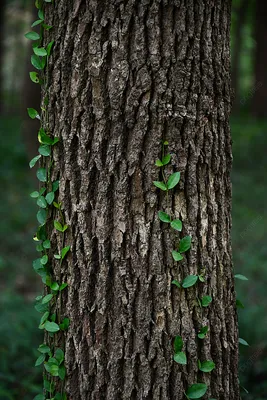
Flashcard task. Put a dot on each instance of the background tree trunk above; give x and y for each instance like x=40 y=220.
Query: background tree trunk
x=124 y=76
x=259 y=103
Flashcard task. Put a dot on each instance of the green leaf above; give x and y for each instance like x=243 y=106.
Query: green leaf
x=206 y=300
x=177 y=256
x=203 y=332
x=41 y=202
x=180 y=358
x=44 y=260
x=49 y=47
x=243 y=342
x=47 y=244
x=239 y=304
x=241 y=277
x=43 y=348
x=58 y=226
x=32 y=113
x=177 y=225
x=158 y=163
x=201 y=278
x=62 y=372
x=41 y=14
x=47 y=27
x=165 y=143
x=47 y=298
x=65 y=324
x=185 y=244
x=41 y=216
x=39 y=397
x=57 y=256
x=40 y=51
x=32 y=35
x=189 y=281
x=44 y=138
x=34 y=76
x=40 y=360
x=59 y=356
x=37 y=62
x=207 y=366
x=173 y=180
x=160 y=185
x=65 y=227
x=44 y=317
x=37 y=22
x=63 y=286
x=55 y=140
x=45 y=150
x=34 y=161
x=51 y=368
x=51 y=327
x=178 y=344
x=166 y=159
x=39 y=247
x=55 y=286
x=55 y=186
x=196 y=391
x=34 y=195
x=176 y=283
x=50 y=197
x=41 y=174
x=64 y=251
x=164 y=217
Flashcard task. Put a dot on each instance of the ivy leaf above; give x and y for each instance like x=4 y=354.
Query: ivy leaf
x=206 y=300
x=65 y=324
x=62 y=372
x=35 y=194
x=34 y=161
x=243 y=342
x=177 y=225
x=45 y=150
x=185 y=244
x=64 y=251
x=180 y=358
x=49 y=47
x=41 y=14
x=32 y=35
x=41 y=202
x=241 y=277
x=41 y=216
x=40 y=51
x=59 y=356
x=47 y=298
x=177 y=256
x=51 y=327
x=164 y=217
x=160 y=185
x=178 y=344
x=44 y=317
x=207 y=366
x=63 y=286
x=166 y=159
x=65 y=227
x=40 y=360
x=41 y=174
x=32 y=113
x=37 y=22
x=158 y=163
x=58 y=226
x=51 y=368
x=39 y=397
x=55 y=186
x=37 y=62
x=44 y=138
x=44 y=259
x=34 y=77
x=189 y=281
x=203 y=332
x=47 y=244
x=50 y=197
x=196 y=390
x=55 y=286
x=176 y=283
x=173 y=180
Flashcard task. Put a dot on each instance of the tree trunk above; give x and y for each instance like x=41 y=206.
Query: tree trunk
x=123 y=76
x=259 y=102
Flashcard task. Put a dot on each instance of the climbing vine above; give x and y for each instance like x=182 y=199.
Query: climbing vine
x=197 y=390
x=49 y=303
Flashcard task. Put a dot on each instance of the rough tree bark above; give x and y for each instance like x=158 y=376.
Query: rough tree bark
x=123 y=76
x=259 y=107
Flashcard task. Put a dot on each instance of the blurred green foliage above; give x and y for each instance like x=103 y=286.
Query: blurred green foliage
x=19 y=336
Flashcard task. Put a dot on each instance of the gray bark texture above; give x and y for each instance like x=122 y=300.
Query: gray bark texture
x=123 y=76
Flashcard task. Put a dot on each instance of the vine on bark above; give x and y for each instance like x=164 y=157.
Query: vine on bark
x=49 y=304
x=197 y=390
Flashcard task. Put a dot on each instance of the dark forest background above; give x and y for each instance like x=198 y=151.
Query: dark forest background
x=19 y=334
